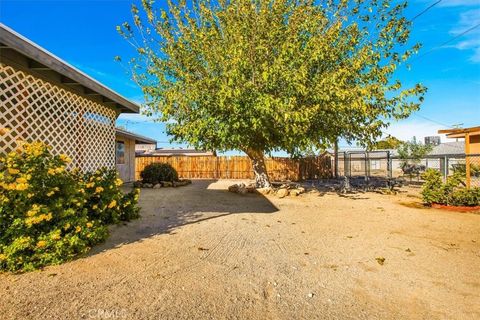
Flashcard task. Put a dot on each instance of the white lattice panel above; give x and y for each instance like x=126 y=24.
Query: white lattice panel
x=37 y=110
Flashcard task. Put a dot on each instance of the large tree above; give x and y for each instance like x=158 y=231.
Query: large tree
x=389 y=142
x=261 y=76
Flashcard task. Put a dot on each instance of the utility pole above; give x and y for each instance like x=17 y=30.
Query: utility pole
x=457 y=126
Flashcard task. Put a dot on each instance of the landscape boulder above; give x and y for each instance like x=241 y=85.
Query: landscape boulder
x=157 y=186
x=251 y=188
x=181 y=183
x=282 y=192
x=166 y=183
x=265 y=190
x=233 y=188
x=241 y=188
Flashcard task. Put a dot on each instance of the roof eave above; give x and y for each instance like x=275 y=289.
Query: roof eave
x=138 y=138
x=17 y=42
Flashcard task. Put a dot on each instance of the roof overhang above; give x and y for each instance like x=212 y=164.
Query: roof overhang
x=461 y=132
x=42 y=60
x=133 y=136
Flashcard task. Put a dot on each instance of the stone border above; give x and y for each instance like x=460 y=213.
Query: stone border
x=162 y=184
x=279 y=190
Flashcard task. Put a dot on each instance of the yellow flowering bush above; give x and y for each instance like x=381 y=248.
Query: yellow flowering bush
x=106 y=202
x=49 y=214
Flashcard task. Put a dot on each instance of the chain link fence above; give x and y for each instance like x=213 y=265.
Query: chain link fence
x=385 y=165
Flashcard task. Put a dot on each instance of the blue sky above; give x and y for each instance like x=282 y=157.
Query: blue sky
x=83 y=34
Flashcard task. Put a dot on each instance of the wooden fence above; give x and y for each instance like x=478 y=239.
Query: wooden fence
x=238 y=167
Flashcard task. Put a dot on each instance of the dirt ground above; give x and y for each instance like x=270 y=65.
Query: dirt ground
x=199 y=252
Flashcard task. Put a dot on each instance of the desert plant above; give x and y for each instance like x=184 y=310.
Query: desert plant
x=49 y=214
x=157 y=172
x=452 y=192
x=462 y=168
x=432 y=187
x=410 y=154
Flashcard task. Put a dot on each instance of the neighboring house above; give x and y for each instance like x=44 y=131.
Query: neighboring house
x=456 y=148
x=46 y=99
x=471 y=149
x=125 y=144
x=173 y=152
x=140 y=147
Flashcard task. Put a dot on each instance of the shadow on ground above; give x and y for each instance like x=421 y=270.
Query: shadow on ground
x=165 y=210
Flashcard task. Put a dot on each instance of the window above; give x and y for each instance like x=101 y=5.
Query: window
x=374 y=164
x=120 y=152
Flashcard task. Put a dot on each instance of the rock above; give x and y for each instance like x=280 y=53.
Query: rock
x=137 y=184
x=181 y=183
x=265 y=190
x=148 y=185
x=157 y=186
x=242 y=189
x=166 y=183
x=310 y=295
x=282 y=193
x=297 y=191
x=233 y=188
x=251 y=188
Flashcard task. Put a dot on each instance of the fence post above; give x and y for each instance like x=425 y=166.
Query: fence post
x=446 y=167
x=443 y=167
x=389 y=166
x=336 y=159
x=345 y=164
x=367 y=160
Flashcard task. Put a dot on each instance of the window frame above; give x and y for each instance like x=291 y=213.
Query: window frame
x=120 y=159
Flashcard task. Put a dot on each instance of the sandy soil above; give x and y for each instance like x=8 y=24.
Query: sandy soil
x=199 y=252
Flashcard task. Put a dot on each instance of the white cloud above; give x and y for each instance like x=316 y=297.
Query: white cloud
x=457 y=3
x=406 y=130
x=470 y=41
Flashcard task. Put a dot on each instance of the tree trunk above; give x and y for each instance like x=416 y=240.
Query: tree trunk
x=259 y=168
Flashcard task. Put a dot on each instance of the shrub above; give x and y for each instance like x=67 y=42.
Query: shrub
x=452 y=192
x=431 y=189
x=49 y=214
x=474 y=169
x=156 y=172
x=106 y=202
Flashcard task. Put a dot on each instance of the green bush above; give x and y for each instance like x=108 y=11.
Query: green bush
x=156 y=172
x=462 y=168
x=452 y=192
x=49 y=214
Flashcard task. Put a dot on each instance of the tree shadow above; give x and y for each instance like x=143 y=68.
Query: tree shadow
x=165 y=210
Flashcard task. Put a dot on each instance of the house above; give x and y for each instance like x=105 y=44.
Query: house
x=471 y=149
x=455 y=148
x=43 y=98
x=167 y=152
x=125 y=144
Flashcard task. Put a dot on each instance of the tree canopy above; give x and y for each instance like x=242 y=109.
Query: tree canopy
x=390 y=142
x=261 y=76
x=413 y=151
